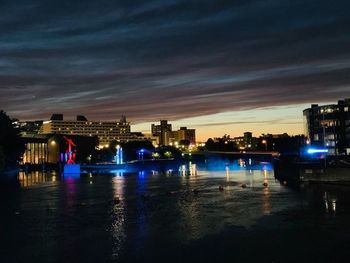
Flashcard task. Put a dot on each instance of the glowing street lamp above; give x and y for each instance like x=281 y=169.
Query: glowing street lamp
x=265 y=143
x=141 y=152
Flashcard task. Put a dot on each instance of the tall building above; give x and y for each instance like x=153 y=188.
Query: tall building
x=161 y=131
x=106 y=131
x=186 y=134
x=329 y=126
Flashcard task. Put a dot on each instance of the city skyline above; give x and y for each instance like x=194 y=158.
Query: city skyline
x=227 y=67
x=233 y=124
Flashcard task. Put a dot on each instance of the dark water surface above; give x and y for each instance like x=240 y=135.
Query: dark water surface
x=173 y=216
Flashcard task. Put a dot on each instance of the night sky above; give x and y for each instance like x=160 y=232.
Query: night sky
x=218 y=66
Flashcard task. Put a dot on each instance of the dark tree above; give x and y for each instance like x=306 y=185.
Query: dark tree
x=169 y=152
x=131 y=150
x=103 y=155
x=210 y=145
x=184 y=143
x=2 y=159
x=223 y=144
x=11 y=144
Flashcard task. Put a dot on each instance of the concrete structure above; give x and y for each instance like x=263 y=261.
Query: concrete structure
x=329 y=126
x=106 y=131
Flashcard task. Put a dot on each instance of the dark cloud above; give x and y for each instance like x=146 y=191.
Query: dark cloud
x=170 y=59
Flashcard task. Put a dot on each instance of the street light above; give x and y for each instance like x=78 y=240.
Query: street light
x=141 y=152
x=265 y=143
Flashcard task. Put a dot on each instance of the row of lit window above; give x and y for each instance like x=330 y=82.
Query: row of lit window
x=90 y=127
x=87 y=129
x=331 y=110
x=92 y=130
x=88 y=123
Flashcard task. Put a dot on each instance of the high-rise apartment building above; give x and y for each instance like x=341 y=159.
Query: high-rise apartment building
x=329 y=126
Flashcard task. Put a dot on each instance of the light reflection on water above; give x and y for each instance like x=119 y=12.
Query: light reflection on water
x=149 y=208
x=36 y=178
x=118 y=230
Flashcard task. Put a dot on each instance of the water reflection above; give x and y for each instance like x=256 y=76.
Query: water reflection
x=330 y=203
x=36 y=178
x=266 y=206
x=118 y=214
x=189 y=169
x=152 y=208
x=227 y=169
x=70 y=189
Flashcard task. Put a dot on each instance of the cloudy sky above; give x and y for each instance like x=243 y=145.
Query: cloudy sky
x=219 y=66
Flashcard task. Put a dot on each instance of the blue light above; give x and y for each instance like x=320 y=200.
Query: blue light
x=118 y=172
x=142 y=174
x=72 y=169
x=119 y=155
x=140 y=153
x=312 y=151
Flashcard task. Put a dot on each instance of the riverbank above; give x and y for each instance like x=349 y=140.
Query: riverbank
x=298 y=170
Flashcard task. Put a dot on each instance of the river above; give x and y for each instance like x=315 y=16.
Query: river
x=234 y=212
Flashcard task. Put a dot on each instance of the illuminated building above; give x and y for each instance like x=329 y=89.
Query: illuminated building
x=49 y=148
x=329 y=126
x=106 y=131
x=184 y=134
x=37 y=149
x=161 y=132
x=245 y=142
x=169 y=137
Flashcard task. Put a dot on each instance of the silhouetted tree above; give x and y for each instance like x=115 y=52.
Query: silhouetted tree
x=185 y=143
x=2 y=159
x=103 y=155
x=131 y=150
x=10 y=142
x=210 y=144
x=169 y=152
x=222 y=144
